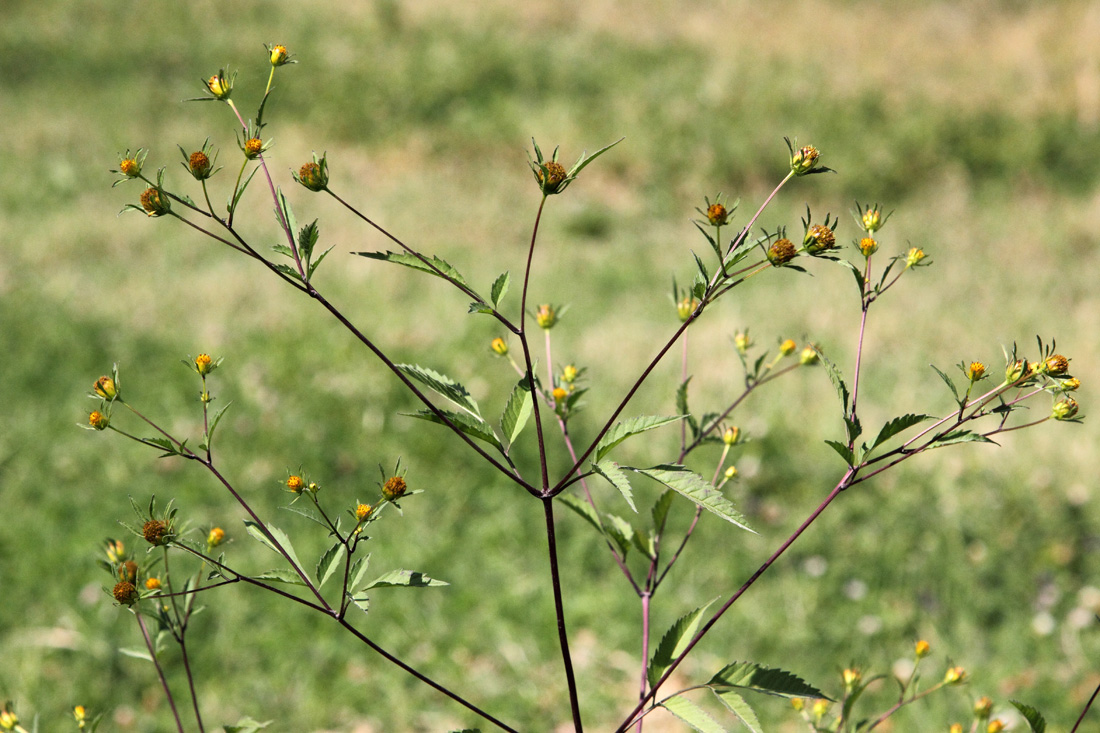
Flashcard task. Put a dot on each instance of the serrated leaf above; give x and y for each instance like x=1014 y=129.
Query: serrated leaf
x=408 y=260
x=661 y=507
x=403 y=579
x=853 y=427
x=499 y=289
x=583 y=508
x=329 y=562
x=282 y=209
x=897 y=425
x=517 y=411
x=475 y=427
x=314 y=265
x=610 y=471
x=673 y=643
x=246 y=725
x=283 y=250
x=358 y=570
x=751 y=676
x=682 y=407
x=280 y=575
x=288 y=271
x=947 y=380
x=307 y=239
x=959 y=436
x=842 y=449
x=692 y=714
x=619 y=530
x=444 y=385
x=645 y=543
x=858 y=276
x=361 y=600
x=278 y=535
x=695 y=488
x=166 y=445
x=478 y=307
x=835 y=377
x=623 y=430
x=737 y=705
x=1033 y=717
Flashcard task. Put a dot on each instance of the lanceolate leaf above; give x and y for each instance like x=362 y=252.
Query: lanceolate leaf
x=610 y=471
x=280 y=537
x=740 y=708
x=284 y=207
x=623 y=430
x=897 y=425
x=499 y=290
x=674 y=643
x=682 y=406
x=517 y=411
x=750 y=676
x=947 y=380
x=444 y=385
x=959 y=436
x=408 y=260
x=280 y=575
x=475 y=427
x=583 y=508
x=329 y=562
x=246 y=725
x=835 y=377
x=695 y=488
x=692 y=714
x=403 y=579
x=661 y=507
x=619 y=530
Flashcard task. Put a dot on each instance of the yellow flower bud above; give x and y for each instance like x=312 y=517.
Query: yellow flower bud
x=128 y=571
x=808 y=356
x=1064 y=409
x=983 y=706
x=954 y=676
x=913 y=258
x=98 y=420
x=1070 y=385
x=295 y=484
x=923 y=649
x=219 y=86
x=731 y=473
x=499 y=346
x=1017 y=370
x=851 y=677
x=872 y=219
x=559 y=395
x=155 y=202
x=215 y=537
x=546 y=317
x=253 y=146
x=204 y=364
x=79 y=715
x=105 y=388
x=686 y=307
x=314 y=175
x=798 y=703
x=868 y=246
x=955 y=728
x=975 y=371
x=8 y=719
x=569 y=374
x=731 y=435
x=362 y=511
x=821 y=707
x=742 y=341
x=152 y=583
x=804 y=160
x=717 y=214
x=279 y=56
x=995 y=726
x=787 y=347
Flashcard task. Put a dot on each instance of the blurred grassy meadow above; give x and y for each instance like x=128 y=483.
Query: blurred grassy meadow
x=978 y=123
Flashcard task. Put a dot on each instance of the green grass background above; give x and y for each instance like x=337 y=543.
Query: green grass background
x=978 y=123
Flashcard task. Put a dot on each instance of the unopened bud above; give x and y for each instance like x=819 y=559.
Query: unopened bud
x=731 y=435
x=868 y=246
x=787 y=347
x=975 y=371
x=1064 y=409
x=923 y=649
x=499 y=346
x=546 y=317
x=808 y=356
x=913 y=258
x=954 y=676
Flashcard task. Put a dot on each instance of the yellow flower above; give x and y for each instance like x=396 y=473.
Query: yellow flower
x=787 y=347
x=868 y=246
x=295 y=484
x=546 y=316
x=913 y=258
x=954 y=676
x=983 y=706
x=394 y=488
x=923 y=649
x=975 y=371
x=569 y=373
x=804 y=160
x=499 y=346
x=279 y=55
x=742 y=341
x=808 y=356
x=152 y=583
x=78 y=715
x=253 y=146
x=363 y=511
x=995 y=726
x=872 y=219
x=851 y=677
x=8 y=719
x=717 y=214
x=559 y=395
x=105 y=388
x=98 y=420
x=215 y=537
x=314 y=175
x=1070 y=385
x=204 y=364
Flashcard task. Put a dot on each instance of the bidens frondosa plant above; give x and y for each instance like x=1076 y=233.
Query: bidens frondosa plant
x=543 y=399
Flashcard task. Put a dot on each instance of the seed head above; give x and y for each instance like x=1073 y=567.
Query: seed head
x=98 y=420
x=819 y=238
x=781 y=252
x=717 y=214
x=125 y=593
x=363 y=511
x=215 y=537
x=314 y=175
x=155 y=202
x=499 y=346
x=868 y=246
x=1055 y=365
x=295 y=484
x=552 y=177
x=394 y=488
x=155 y=532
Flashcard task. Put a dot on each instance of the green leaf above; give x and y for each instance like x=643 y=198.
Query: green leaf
x=619 y=530
x=959 y=436
x=585 y=160
x=661 y=507
x=517 y=411
x=855 y=272
x=695 y=488
x=673 y=643
x=136 y=654
x=1033 y=717
x=402 y=579
x=283 y=250
x=692 y=714
x=358 y=570
x=682 y=407
x=842 y=449
x=610 y=471
x=280 y=575
x=947 y=380
x=361 y=600
x=835 y=377
x=284 y=208
x=246 y=725
x=431 y=265
x=623 y=430
x=854 y=429
x=444 y=385
x=308 y=513
x=307 y=239
x=475 y=427
x=897 y=425
x=478 y=307
x=314 y=265
x=279 y=536
x=750 y=676
x=329 y=562
x=646 y=543
x=583 y=508
x=737 y=705
x=499 y=289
